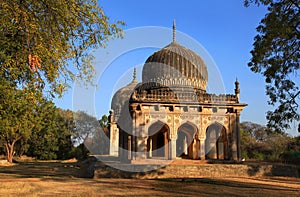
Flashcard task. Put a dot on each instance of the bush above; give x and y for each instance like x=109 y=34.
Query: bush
x=81 y=152
x=291 y=156
x=259 y=156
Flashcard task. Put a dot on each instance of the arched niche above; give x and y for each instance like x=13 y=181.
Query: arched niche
x=187 y=144
x=216 y=143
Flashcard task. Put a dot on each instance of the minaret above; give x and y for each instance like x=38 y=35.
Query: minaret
x=237 y=90
x=174 y=31
x=134 y=76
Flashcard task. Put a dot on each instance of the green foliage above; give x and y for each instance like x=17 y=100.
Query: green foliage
x=52 y=139
x=43 y=139
x=292 y=154
x=104 y=121
x=52 y=133
x=18 y=115
x=81 y=152
x=271 y=147
x=21 y=147
x=65 y=145
x=42 y=45
x=41 y=40
x=274 y=146
x=276 y=56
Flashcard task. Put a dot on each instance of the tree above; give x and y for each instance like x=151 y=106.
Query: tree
x=276 y=55
x=52 y=138
x=91 y=132
x=262 y=143
x=256 y=131
x=104 y=122
x=17 y=114
x=42 y=45
x=67 y=125
x=85 y=126
x=41 y=42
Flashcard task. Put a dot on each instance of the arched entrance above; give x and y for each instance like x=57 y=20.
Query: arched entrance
x=216 y=143
x=186 y=144
x=157 y=143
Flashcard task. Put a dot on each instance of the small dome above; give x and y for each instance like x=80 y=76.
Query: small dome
x=121 y=98
x=176 y=66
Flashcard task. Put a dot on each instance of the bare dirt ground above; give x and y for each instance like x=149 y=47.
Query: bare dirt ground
x=53 y=178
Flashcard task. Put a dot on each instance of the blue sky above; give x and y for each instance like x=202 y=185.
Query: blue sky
x=225 y=29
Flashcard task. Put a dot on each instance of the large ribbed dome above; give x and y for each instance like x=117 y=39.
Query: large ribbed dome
x=176 y=66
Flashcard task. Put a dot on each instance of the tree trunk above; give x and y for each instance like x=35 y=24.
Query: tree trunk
x=10 y=151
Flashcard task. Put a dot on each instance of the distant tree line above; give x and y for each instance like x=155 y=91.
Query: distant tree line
x=261 y=143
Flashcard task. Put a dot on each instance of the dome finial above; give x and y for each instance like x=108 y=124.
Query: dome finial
x=134 y=76
x=174 y=31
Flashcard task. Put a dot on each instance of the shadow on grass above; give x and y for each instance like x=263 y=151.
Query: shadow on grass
x=230 y=184
x=57 y=170
x=42 y=169
x=273 y=169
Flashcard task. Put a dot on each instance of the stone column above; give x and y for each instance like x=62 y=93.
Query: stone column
x=113 y=135
x=195 y=149
x=172 y=149
x=202 y=148
x=234 y=148
x=129 y=155
x=238 y=143
x=166 y=145
x=150 y=147
x=134 y=138
x=141 y=148
x=113 y=139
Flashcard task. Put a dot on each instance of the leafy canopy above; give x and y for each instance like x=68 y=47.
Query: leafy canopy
x=17 y=114
x=51 y=139
x=276 y=55
x=42 y=41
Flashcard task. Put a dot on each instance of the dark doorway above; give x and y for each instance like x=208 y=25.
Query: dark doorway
x=160 y=145
x=157 y=143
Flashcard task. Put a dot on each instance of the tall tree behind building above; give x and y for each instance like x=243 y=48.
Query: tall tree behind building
x=276 y=55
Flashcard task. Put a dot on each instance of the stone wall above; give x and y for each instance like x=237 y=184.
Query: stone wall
x=196 y=170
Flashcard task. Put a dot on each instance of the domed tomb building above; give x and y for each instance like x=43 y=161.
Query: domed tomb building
x=170 y=114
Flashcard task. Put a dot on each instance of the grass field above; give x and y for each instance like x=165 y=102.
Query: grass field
x=54 y=178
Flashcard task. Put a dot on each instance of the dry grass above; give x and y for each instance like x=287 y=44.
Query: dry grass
x=60 y=179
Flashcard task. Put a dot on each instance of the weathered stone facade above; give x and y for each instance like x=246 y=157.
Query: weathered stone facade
x=170 y=114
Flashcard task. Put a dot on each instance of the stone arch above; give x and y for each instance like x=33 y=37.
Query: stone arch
x=216 y=143
x=187 y=143
x=158 y=139
x=208 y=121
